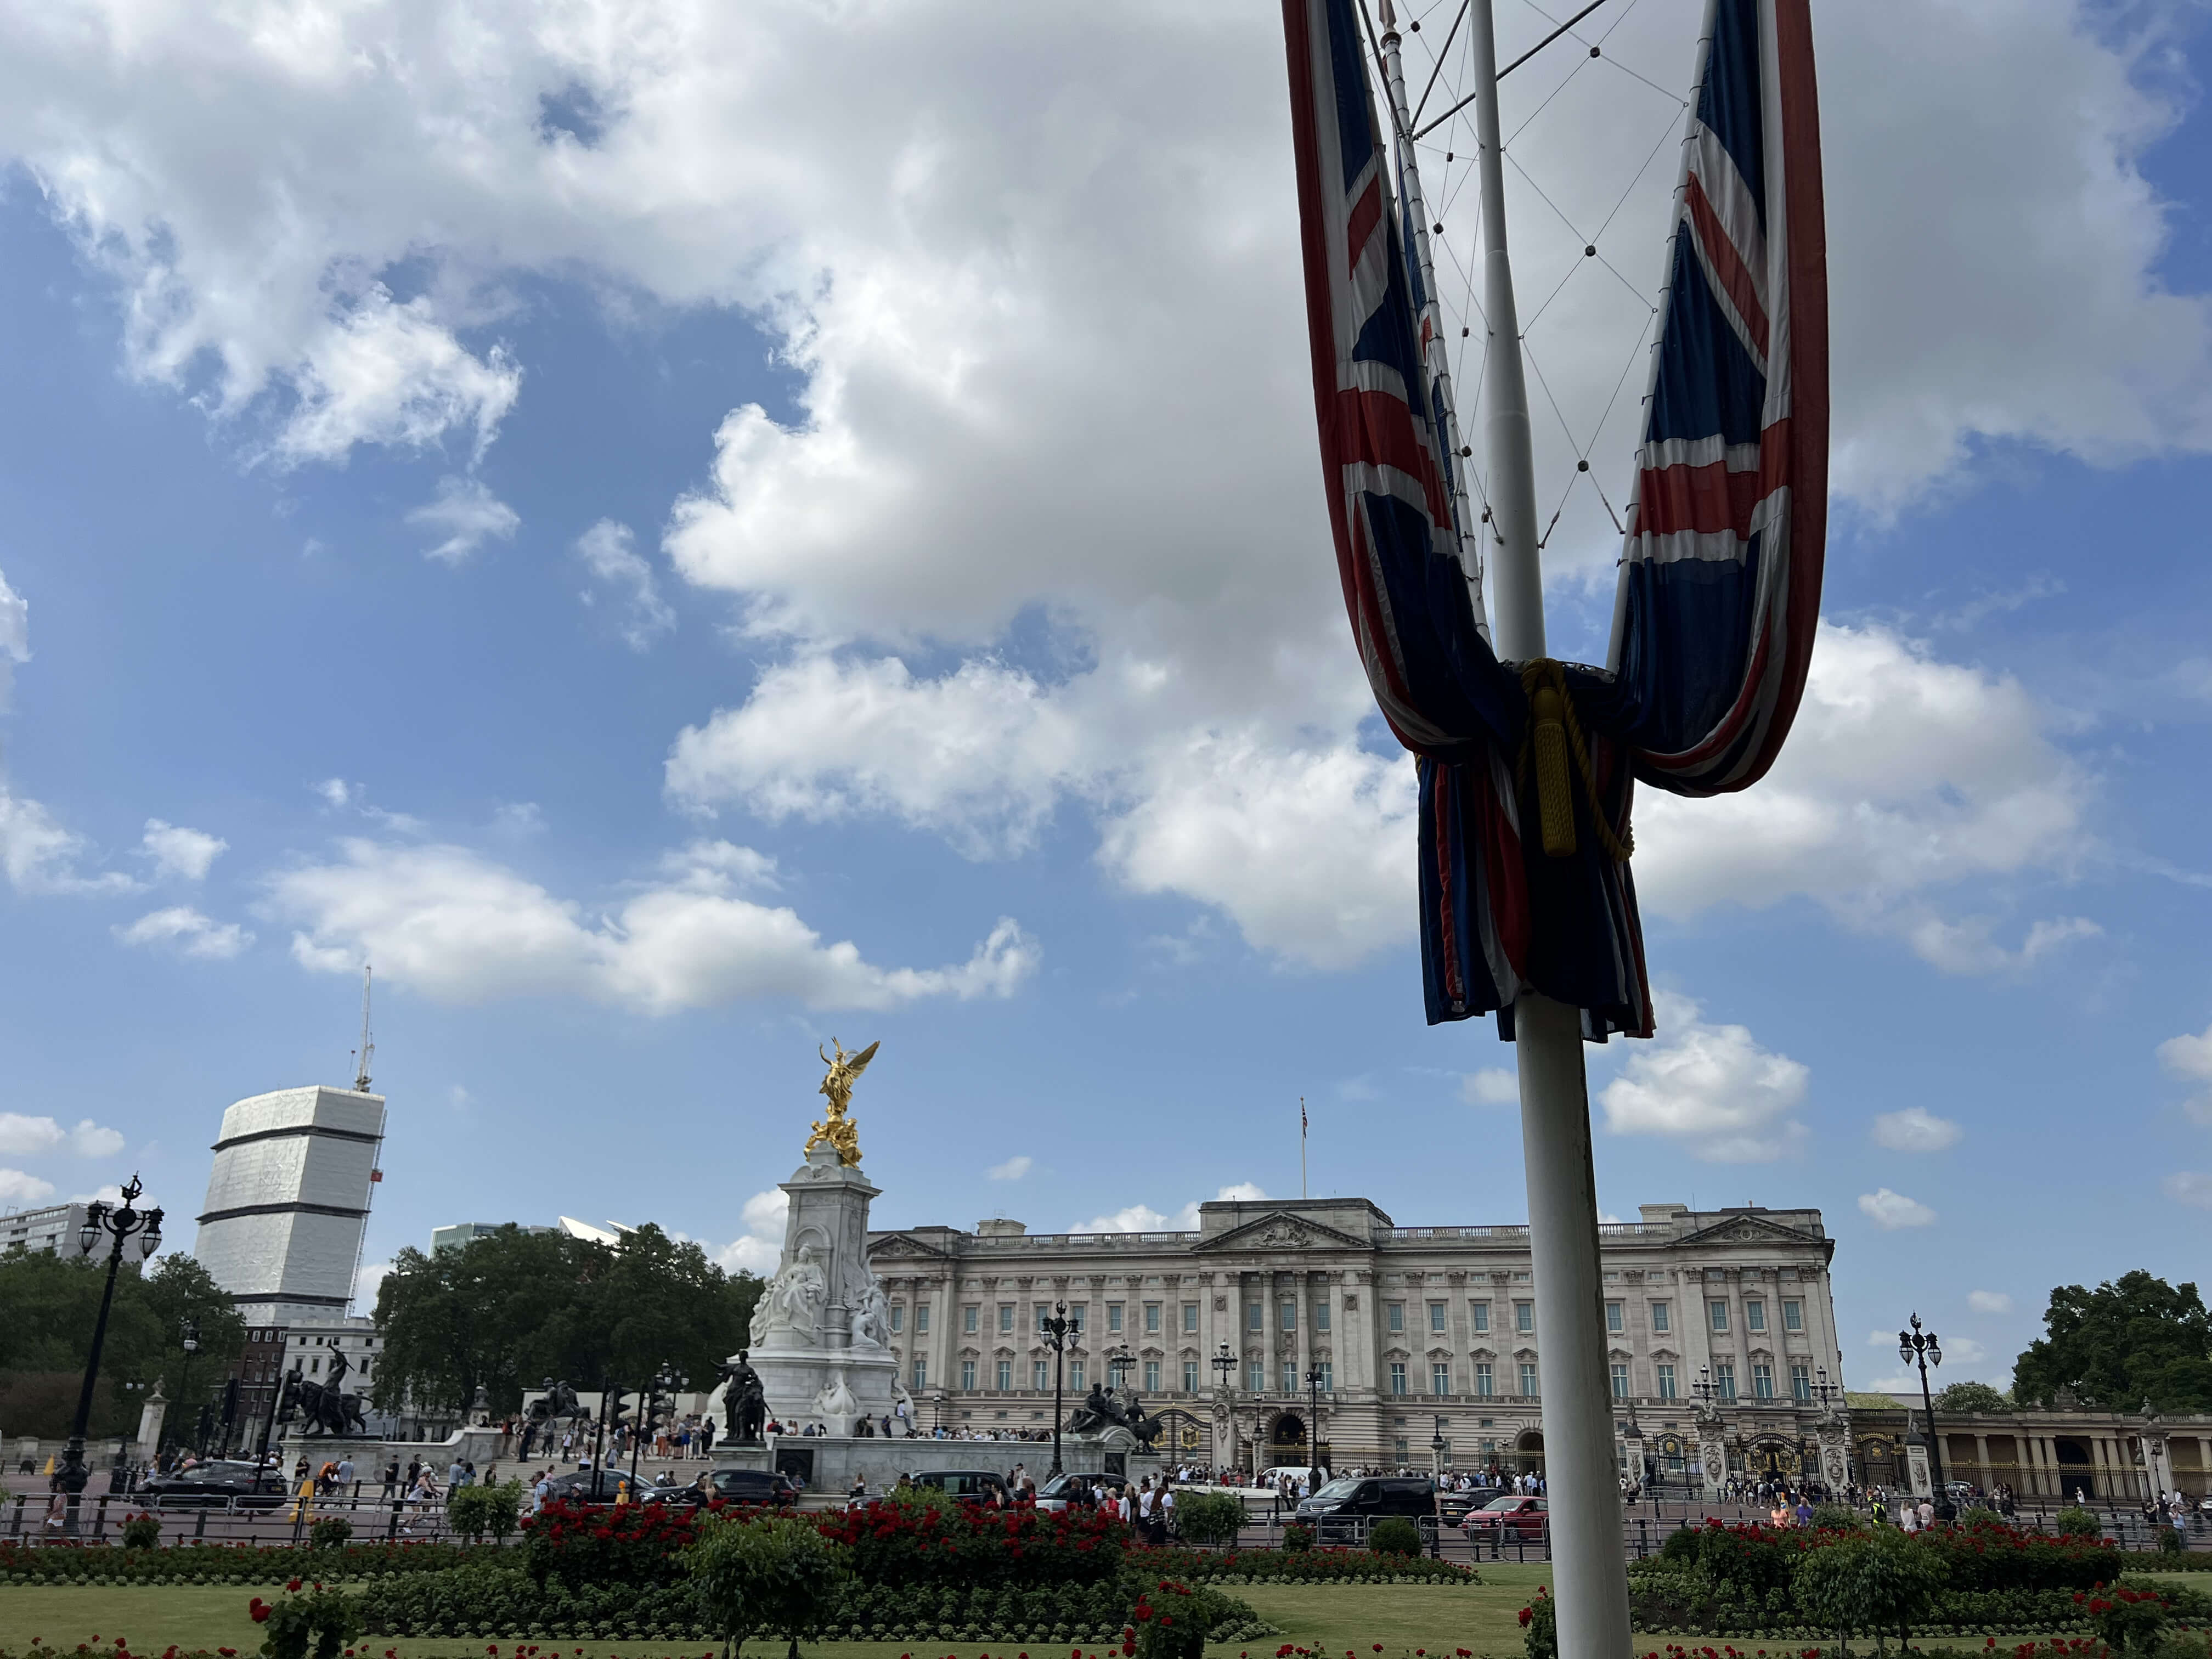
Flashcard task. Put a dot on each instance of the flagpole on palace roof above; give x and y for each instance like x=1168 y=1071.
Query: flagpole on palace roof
x=1582 y=1476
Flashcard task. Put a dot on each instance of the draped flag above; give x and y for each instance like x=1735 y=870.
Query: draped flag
x=1524 y=822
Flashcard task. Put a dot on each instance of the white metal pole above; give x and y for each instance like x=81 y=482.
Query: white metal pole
x=1589 y=1564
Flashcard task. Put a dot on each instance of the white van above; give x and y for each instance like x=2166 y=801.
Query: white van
x=1274 y=1477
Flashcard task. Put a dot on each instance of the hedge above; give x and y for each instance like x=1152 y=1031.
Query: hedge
x=56 y=1563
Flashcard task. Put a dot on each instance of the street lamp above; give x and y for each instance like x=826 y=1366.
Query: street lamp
x=1055 y=1328
x=1435 y=1490
x=1119 y=1363
x=1917 y=1347
x=119 y=1222
x=192 y=1341
x=663 y=1387
x=1224 y=1369
x=1314 y=1379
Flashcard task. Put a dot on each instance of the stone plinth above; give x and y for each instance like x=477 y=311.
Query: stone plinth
x=832 y=1462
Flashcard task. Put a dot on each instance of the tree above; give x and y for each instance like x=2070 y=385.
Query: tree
x=777 y=1578
x=2121 y=1344
x=1973 y=1397
x=510 y=1309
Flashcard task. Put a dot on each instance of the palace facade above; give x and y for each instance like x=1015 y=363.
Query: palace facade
x=1403 y=1337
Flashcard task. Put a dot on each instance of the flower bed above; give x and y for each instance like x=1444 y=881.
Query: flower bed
x=52 y=1563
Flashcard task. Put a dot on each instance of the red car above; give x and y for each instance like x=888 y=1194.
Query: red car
x=1510 y=1516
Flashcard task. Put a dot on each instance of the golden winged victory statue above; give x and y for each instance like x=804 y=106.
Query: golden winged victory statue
x=836 y=1129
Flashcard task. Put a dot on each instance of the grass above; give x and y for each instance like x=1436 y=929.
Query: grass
x=1331 y=1617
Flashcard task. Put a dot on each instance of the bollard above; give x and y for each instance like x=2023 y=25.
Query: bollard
x=15 y=1523
x=199 y=1531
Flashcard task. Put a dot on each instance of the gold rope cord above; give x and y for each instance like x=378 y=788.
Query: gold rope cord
x=1554 y=735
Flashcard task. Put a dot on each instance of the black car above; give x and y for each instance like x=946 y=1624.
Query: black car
x=1457 y=1506
x=215 y=1485
x=604 y=1486
x=966 y=1486
x=1347 y=1505
x=758 y=1488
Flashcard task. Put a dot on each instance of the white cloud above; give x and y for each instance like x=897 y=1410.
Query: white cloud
x=337 y=792
x=190 y=932
x=1710 y=1087
x=2189 y=1055
x=14 y=637
x=461 y=928
x=20 y=1134
x=382 y=373
x=177 y=851
x=608 y=550
x=2189 y=1187
x=1988 y=1302
x=761 y=1246
x=1491 y=1086
x=1915 y=1129
x=1142 y=1219
x=22 y=1191
x=367 y=1282
x=1964 y=1350
x=41 y=855
x=1891 y=1211
x=1013 y=1170
x=464 y=513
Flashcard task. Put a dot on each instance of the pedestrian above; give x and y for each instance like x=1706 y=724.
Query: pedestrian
x=541 y=1491
x=345 y=1470
x=391 y=1480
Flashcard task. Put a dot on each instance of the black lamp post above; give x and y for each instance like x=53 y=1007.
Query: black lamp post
x=660 y=1391
x=1917 y=1347
x=191 y=1343
x=103 y=1222
x=1225 y=1369
x=1314 y=1379
x=1435 y=1490
x=1056 y=1328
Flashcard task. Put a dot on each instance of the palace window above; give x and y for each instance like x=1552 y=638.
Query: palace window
x=1436 y=1317
x=1666 y=1381
x=1484 y=1384
x=1793 y=1315
x=1256 y=1376
x=1256 y=1317
x=1288 y=1313
x=1151 y=1377
x=1800 y=1383
x=1762 y=1381
x=1075 y=1318
x=899 y=1315
x=1395 y=1317
x=1528 y=1388
x=1114 y=1317
x=1397 y=1377
x=1478 y=1314
x=1659 y=1321
x=1006 y=1316
x=1400 y=1443
x=967 y=1374
x=1190 y=1319
x=1190 y=1376
x=1719 y=1311
x=1524 y=1317
x=1289 y=1372
x=1327 y=1377
x=1621 y=1382
x=1755 y=1313
x=1616 y=1318
x=1043 y=1313
x=922 y=1373
x=970 y=1319
x=1724 y=1380
x=1440 y=1377
x=1321 y=1317
x=1006 y=1375
x=1075 y=1375
x=1040 y=1377
x=921 y=1319
x=1151 y=1319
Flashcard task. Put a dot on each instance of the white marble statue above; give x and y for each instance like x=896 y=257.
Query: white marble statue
x=837 y=1404
x=794 y=1300
x=871 y=1323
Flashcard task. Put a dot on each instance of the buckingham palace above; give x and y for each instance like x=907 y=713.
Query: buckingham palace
x=1410 y=1343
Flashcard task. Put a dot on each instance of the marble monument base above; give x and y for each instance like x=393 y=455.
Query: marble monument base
x=800 y=1387
x=831 y=1463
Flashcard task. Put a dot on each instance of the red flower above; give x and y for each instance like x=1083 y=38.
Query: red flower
x=292 y=1585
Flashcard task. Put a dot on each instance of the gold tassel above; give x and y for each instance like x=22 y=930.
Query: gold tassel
x=1554 y=783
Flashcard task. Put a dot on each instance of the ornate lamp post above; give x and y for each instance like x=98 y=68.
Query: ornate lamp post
x=116 y=1223
x=1119 y=1363
x=192 y=1343
x=1055 y=1329
x=1435 y=1490
x=1314 y=1379
x=1225 y=1371
x=1917 y=1347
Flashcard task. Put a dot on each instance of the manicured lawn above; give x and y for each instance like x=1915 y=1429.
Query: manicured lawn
x=1441 y=1618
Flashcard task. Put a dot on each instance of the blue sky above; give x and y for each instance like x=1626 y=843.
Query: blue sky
x=831 y=543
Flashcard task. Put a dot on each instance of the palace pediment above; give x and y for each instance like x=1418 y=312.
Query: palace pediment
x=1281 y=1231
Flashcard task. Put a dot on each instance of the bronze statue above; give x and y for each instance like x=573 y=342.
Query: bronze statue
x=745 y=1406
x=836 y=1129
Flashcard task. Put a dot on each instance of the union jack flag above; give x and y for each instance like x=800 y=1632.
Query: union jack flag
x=1720 y=582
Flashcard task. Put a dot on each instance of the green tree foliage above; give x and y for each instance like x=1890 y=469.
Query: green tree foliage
x=473 y=1512
x=1974 y=1397
x=52 y=1306
x=2121 y=1344
x=511 y=1309
x=1209 y=1517
x=765 y=1578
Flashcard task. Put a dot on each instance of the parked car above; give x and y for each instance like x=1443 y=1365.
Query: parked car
x=1513 y=1516
x=1343 y=1510
x=1457 y=1506
x=604 y=1486
x=752 y=1488
x=1066 y=1492
x=215 y=1485
x=965 y=1486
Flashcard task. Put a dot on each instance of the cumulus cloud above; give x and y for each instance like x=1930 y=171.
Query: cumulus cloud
x=367 y=1282
x=1988 y=1302
x=1142 y=1219
x=760 y=1246
x=1013 y=1170
x=609 y=551
x=1491 y=1086
x=186 y=930
x=466 y=514
x=20 y=1134
x=381 y=372
x=1891 y=1211
x=2189 y=1187
x=42 y=855
x=337 y=792
x=1915 y=1129
x=462 y=928
x=1710 y=1087
x=20 y=1191
x=14 y=637
x=176 y=851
